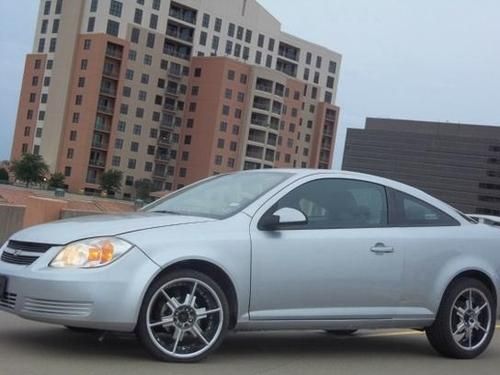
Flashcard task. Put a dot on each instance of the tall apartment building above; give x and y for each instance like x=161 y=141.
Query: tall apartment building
x=172 y=92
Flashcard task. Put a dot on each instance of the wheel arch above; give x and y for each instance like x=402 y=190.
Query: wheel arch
x=475 y=274
x=212 y=270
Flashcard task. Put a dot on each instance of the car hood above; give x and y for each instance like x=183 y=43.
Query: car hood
x=68 y=230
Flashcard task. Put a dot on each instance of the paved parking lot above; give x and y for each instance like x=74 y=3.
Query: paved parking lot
x=32 y=348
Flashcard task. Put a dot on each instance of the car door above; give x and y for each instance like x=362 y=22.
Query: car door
x=338 y=265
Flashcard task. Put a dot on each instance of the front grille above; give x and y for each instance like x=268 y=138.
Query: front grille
x=32 y=247
x=23 y=253
x=8 y=301
x=43 y=306
x=24 y=260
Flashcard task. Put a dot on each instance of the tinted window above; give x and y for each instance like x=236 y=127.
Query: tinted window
x=408 y=211
x=338 y=203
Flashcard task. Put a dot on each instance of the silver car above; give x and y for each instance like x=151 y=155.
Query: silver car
x=264 y=250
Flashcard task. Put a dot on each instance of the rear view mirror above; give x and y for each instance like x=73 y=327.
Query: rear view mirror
x=282 y=218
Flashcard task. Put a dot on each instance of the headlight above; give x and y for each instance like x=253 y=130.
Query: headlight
x=94 y=252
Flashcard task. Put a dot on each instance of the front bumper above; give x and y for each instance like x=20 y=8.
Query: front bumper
x=106 y=298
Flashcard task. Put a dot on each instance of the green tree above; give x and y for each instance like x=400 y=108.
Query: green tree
x=4 y=174
x=111 y=181
x=143 y=189
x=30 y=169
x=56 y=180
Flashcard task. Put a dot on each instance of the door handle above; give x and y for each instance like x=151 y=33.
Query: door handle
x=380 y=248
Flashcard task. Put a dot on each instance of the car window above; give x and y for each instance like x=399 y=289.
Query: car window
x=408 y=211
x=338 y=203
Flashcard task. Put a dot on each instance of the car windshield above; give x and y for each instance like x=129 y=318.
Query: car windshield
x=219 y=197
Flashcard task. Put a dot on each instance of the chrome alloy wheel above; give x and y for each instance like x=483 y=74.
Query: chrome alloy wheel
x=184 y=318
x=470 y=319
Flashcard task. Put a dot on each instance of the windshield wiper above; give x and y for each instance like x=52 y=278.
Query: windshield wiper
x=166 y=212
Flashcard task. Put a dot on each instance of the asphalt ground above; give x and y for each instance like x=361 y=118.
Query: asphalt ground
x=33 y=348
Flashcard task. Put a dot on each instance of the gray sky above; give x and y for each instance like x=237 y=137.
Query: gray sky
x=415 y=59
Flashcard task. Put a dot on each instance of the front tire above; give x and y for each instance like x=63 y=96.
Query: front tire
x=465 y=322
x=184 y=317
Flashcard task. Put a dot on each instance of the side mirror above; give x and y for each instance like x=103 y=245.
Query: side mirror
x=282 y=218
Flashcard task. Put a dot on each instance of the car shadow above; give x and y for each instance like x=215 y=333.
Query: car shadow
x=59 y=341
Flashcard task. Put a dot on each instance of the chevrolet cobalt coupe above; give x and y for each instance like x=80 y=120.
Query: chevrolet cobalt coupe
x=263 y=250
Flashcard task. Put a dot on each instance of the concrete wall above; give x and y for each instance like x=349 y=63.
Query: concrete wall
x=11 y=220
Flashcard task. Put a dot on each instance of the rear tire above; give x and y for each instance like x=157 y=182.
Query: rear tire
x=465 y=322
x=184 y=317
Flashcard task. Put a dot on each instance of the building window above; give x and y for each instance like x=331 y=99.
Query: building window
x=197 y=72
x=330 y=82
x=229 y=47
x=32 y=97
x=93 y=5
x=134 y=146
x=195 y=90
x=127 y=91
x=206 y=20
x=43 y=28
x=237 y=50
x=138 y=16
x=215 y=43
x=113 y=28
x=239 y=33
x=118 y=143
x=124 y=109
x=139 y=112
x=129 y=180
x=91 y=24
x=220 y=143
x=76 y=118
x=81 y=82
x=46 y=81
x=218 y=25
x=241 y=97
x=46 y=8
x=185 y=156
x=41 y=45
x=258 y=57
x=318 y=62
x=148 y=60
x=132 y=55
x=58 y=7
x=237 y=113
x=72 y=135
x=150 y=41
x=225 y=110
x=270 y=45
x=145 y=78
x=230 y=75
x=332 y=67
x=230 y=162
x=55 y=26
x=115 y=8
x=44 y=98
x=41 y=115
x=190 y=123
x=236 y=130
x=156 y=4
x=29 y=114
x=182 y=172
x=87 y=43
x=129 y=74
x=203 y=38
x=70 y=153
x=218 y=160
x=52 y=44
x=316 y=77
x=248 y=36
x=134 y=35
x=137 y=129
x=67 y=171
x=132 y=163
x=148 y=166
x=50 y=63
x=27 y=131
x=228 y=94
x=231 y=29
x=187 y=140
x=153 y=22
x=192 y=107
x=269 y=61
x=115 y=161
x=122 y=125
x=260 y=40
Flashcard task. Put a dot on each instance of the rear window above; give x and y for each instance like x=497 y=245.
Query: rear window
x=408 y=211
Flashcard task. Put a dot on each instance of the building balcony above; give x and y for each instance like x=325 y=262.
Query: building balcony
x=115 y=53
x=111 y=73
x=106 y=110
x=97 y=164
x=102 y=127
x=164 y=141
x=176 y=53
x=100 y=145
x=108 y=91
x=184 y=36
x=184 y=15
x=172 y=91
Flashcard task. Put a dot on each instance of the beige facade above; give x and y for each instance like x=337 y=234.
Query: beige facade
x=173 y=92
